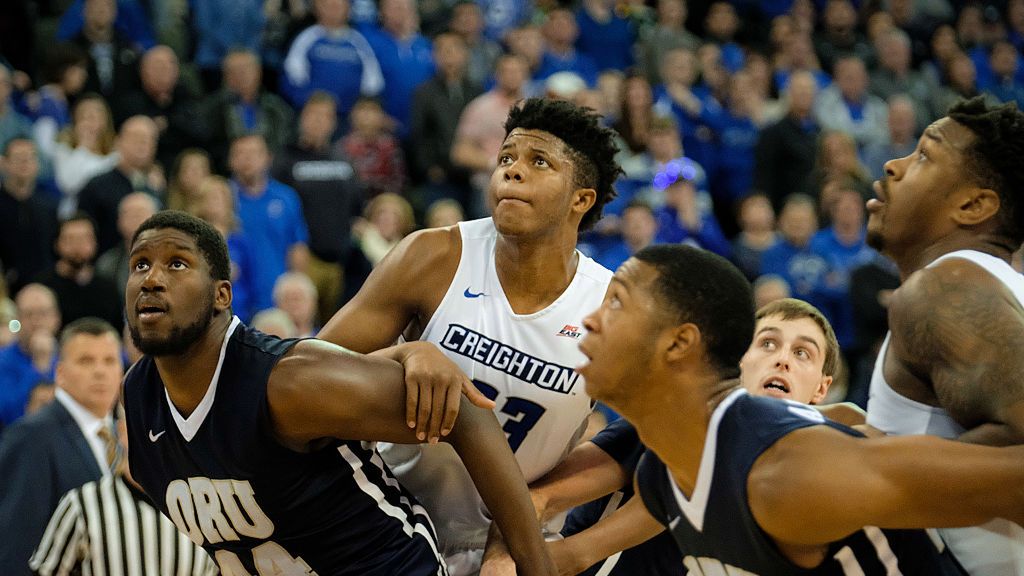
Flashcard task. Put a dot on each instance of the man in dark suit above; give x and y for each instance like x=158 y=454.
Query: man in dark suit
x=62 y=446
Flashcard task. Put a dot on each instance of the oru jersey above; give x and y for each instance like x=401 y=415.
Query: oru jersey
x=524 y=362
x=716 y=530
x=258 y=507
x=995 y=548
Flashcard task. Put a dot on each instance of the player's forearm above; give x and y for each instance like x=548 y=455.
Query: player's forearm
x=587 y=474
x=629 y=526
x=484 y=450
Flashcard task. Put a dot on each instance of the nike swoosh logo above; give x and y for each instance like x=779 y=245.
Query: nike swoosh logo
x=469 y=294
x=155 y=437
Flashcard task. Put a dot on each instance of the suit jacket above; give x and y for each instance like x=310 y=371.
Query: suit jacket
x=42 y=456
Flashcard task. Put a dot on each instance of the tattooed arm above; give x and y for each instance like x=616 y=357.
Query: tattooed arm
x=960 y=331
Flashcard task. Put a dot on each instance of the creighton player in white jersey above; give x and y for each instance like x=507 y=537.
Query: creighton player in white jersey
x=503 y=298
x=950 y=215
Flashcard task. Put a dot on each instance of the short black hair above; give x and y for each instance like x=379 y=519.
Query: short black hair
x=88 y=325
x=61 y=57
x=994 y=158
x=77 y=216
x=591 y=146
x=702 y=288
x=210 y=242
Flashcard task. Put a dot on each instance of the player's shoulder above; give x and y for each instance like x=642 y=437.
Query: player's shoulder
x=426 y=249
x=938 y=287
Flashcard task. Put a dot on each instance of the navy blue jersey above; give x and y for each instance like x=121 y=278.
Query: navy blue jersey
x=255 y=505
x=659 y=555
x=716 y=530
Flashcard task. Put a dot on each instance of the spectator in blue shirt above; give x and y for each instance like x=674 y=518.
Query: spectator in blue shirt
x=639 y=228
x=683 y=218
x=12 y=123
x=131 y=21
x=791 y=258
x=605 y=36
x=271 y=215
x=32 y=357
x=1004 y=83
x=221 y=26
x=332 y=57
x=757 y=234
x=560 y=35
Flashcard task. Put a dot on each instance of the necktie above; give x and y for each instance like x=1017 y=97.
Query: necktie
x=111 y=449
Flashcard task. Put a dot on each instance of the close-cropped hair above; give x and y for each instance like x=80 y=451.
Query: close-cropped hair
x=704 y=289
x=209 y=241
x=89 y=325
x=590 y=145
x=794 y=309
x=994 y=157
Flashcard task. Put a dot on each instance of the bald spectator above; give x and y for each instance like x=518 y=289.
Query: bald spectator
x=847 y=106
x=902 y=140
x=295 y=293
x=163 y=98
x=113 y=57
x=132 y=211
x=896 y=76
x=12 y=124
x=560 y=35
x=243 y=107
x=332 y=57
x=28 y=220
x=80 y=292
x=31 y=358
x=785 y=152
x=135 y=172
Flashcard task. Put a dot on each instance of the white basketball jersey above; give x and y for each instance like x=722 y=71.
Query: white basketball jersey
x=524 y=362
x=997 y=547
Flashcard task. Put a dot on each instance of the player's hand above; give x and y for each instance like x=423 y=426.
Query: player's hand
x=433 y=385
x=498 y=565
x=568 y=562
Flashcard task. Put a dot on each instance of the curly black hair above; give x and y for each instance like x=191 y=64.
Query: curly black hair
x=590 y=145
x=994 y=157
x=209 y=241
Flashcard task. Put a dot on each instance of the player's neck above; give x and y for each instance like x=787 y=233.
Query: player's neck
x=914 y=260
x=534 y=273
x=187 y=376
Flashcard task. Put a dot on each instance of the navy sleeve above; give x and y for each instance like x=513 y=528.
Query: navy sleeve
x=621 y=441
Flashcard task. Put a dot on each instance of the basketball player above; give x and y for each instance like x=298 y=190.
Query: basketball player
x=754 y=485
x=950 y=215
x=504 y=298
x=250 y=444
x=794 y=355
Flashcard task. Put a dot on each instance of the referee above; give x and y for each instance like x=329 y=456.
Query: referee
x=109 y=527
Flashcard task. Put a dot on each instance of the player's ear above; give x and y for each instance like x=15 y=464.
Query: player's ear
x=977 y=206
x=221 y=295
x=583 y=199
x=683 y=342
x=822 y=390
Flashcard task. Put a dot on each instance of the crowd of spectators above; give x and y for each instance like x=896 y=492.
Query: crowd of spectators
x=316 y=134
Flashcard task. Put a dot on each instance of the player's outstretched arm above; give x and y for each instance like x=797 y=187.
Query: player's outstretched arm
x=586 y=474
x=968 y=347
x=408 y=285
x=818 y=485
x=629 y=526
x=319 y=391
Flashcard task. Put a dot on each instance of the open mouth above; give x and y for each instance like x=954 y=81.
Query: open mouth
x=776 y=387
x=150 y=312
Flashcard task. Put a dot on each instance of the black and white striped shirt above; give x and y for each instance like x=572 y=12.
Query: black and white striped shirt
x=108 y=528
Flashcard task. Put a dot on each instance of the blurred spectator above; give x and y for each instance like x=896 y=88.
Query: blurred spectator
x=189 y=170
x=943 y=48
x=295 y=293
x=639 y=227
x=444 y=213
x=676 y=98
x=271 y=217
x=63 y=445
x=604 y=35
x=32 y=357
x=768 y=288
x=28 y=220
x=570 y=87
x=664 y=147
x=502 y=16
x=738 y=127
x=683 y=218
x=1004 y=83
x=243 y=107
x=837 y=160
x=757 y=234
x=216 y=205
x=130 y=20
x=902 y=137
x=275 y=322
x=405 y=59
x=388 y=219
x=634 y=120
x=221 y=27
x=80 y=291
x=135 y=172
x=436 y=108
x=374 y=151
x=12 y=123
x=895 y=76
x=797 y=55
x=720 y=26
x=785 y=151
x=791 y=258
x=842 y=247
x=481 y=128
x=331 y=195
x=560 y=36
x=669 y=33
x=64 y=77
x=527 y=42
x=961 y=84
x=849 y=107
x=113 y=56
x=1015 y=23
x=132 y=211
x=839 y=35
x=84 y=150
x=163 y=98
x=42 y=394
x=468 y=22
x=332 y=57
